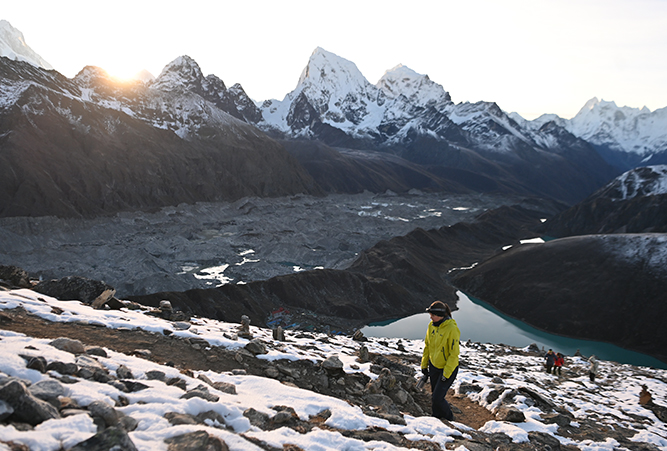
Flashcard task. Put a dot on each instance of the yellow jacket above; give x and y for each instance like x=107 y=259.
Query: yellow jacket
x=441 y=346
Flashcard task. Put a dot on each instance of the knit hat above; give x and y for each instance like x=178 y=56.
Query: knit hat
x=439 y=308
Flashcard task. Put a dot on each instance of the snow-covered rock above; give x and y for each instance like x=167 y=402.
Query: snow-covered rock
x=14 y=47
x=626 y=137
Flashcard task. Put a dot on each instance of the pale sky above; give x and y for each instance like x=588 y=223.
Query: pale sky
x=528 y=56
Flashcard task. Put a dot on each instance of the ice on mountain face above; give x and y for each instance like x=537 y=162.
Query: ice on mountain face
x=647 y=250
x=645 y=181
x=144 y=76
x=181 y=72
x=417 y=88
x=625 y=129
x=14 y=47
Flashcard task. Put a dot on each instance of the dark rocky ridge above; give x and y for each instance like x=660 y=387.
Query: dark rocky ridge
x=610 y=288
x=603 y=215
x=67 y=157
x=632 y=203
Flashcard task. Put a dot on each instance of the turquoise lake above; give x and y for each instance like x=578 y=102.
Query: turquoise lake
x=482 y=323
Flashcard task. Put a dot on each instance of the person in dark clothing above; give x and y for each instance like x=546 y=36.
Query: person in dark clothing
x=550 y=360
x=440 y=360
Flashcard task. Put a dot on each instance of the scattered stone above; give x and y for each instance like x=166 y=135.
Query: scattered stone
x=112 y=438
x=225 y=387
x=27 y=408
x=104 y=411
x=124 y=372
x=181 y=325
x=155 y=375
x=556 y=418
x=48 y=390
x=128 y=423
x=101 y=300
x=272 y=372
x=333 y=365
x=180 y=418
x=68 y=345
x=134 y=386
x=533 y=348
x=196 y=441
x=37 y=363
x=510 y=414
x=281 y=417
x=544 y=441
x=62 y=368
x=145 y=353
x=96 y=350
x=211 y=418
x=200 y=392
x=256 y=346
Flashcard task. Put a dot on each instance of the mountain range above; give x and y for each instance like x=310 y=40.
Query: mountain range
x=104 y=146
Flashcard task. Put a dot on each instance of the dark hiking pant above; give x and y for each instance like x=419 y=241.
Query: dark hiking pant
x=439 y=388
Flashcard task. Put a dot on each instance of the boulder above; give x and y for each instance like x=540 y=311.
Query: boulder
x=27 y=408
x=48 y=390
x=198 y=440
x=15 y=276
x=510 y=414
x=112 y=438
x=69 y=345
x=256 y=347
x=73 y=288
x=104 y=411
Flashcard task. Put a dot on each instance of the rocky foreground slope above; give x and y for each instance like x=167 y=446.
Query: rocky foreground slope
x=100 y=379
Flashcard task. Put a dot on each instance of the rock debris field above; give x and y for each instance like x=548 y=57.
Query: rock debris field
x=208 y=244
x=76 y=378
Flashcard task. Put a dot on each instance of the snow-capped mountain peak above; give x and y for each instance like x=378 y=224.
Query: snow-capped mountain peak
x=631 y=136
x=329 y=73
x=14 y=47
x=418 y=88
x=180 y=73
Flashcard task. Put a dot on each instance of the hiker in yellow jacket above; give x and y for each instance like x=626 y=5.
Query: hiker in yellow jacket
x=441 y=357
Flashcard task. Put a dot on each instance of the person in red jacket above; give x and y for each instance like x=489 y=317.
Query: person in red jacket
x=440 y=360
x=558 y=363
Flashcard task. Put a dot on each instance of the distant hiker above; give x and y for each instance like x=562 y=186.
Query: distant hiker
x=558 y=363
x=440 y=360
x=593 y=370
x=550 y=360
